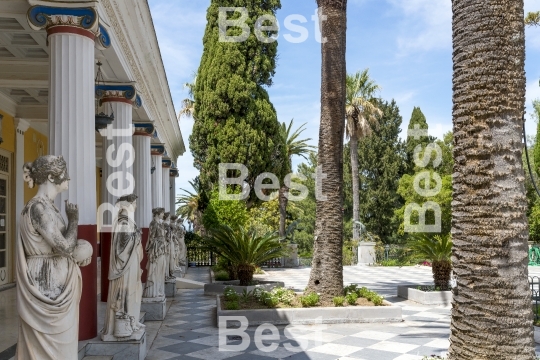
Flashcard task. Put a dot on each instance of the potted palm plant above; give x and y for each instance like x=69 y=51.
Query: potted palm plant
x=244 y=249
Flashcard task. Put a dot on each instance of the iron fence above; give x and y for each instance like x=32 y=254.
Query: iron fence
x=389 y=252
x=534 y=284
x=200 y=256
x=275 y=262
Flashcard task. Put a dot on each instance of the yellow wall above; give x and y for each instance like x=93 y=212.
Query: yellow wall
x=8 y=132
x=35 y=145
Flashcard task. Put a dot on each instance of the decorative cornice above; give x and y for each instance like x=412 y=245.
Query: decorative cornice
x=157 y=149
x=78 y=20
x=143 y=129
x=139 y=77
x=118 y=93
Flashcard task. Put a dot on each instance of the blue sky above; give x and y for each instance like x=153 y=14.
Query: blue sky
x=406 y=44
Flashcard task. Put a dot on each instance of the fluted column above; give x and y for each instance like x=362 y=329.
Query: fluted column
x=157 y=175
x=166 y=188
x=143 y=182
x=117 y=161
x=72 y=29
x=173 y=174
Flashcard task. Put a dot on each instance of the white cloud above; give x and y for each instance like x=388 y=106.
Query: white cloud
x=426 y=25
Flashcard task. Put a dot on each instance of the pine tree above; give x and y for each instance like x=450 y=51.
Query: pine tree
x=236 y=122
x=382 y=163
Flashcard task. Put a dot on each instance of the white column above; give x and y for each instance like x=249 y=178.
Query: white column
x=172 y=180
x=157 y=182
x=166 y=189
x=143 y=181
x=21 y=127
x=71 y=118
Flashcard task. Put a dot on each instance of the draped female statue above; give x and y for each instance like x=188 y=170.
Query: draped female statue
x=156 y=249
x=49 y=282
x=175 y=246
x=125 y=288
x=182 y=251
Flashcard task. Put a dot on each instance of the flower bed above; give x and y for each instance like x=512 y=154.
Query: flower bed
x=284 y=306
x=280 y=297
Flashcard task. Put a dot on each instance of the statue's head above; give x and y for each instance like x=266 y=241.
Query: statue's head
x=174 y=218
x=127 y=202
x=158 y=212
x=48 y=168
x=166 y=216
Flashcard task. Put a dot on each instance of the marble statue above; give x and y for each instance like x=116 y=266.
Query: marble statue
x=174 y=244
x=155 y=251
x=125 y=288
x=170 y=246
x=182 y=253
x=49 y=283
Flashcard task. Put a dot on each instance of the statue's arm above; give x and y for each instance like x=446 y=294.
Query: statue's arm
x=44 y=223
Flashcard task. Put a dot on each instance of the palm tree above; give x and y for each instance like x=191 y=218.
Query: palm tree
x=533 y=18
x=491 y=314
x=244 y=250
x=361 y=114
x=293 y=146
x=188 y=104
x=190 y=205
x=438 y=250
x=326 y=275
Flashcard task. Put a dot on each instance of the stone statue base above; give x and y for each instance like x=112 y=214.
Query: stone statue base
x=155 y=308
x=133 y=347
x=170 y=288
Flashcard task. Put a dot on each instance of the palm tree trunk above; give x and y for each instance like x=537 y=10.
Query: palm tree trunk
x=355 y=187
x=326 y=275
x=283 y=201
x=491 y=314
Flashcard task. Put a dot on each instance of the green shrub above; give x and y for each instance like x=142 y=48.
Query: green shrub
x=269 y=300
x=351 y=298
x=390 y=262
x=372 y=296
x=309 y=300
x=232 y=305
x=229 y=294
x=221 y=275
x=353 y=288
x=338 y=301
x=285 y=296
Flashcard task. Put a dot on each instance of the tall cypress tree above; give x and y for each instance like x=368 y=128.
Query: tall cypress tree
x=236 y=122
x=382 y=163
x=417 y=118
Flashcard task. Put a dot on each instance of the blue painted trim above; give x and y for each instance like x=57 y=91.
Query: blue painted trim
x=166 y=162
x=158 y=148
x=104 y=37
x=148 y=127
x=37 y=15
x=129 y=90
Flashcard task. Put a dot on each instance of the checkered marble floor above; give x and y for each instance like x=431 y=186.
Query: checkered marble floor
x=190 y=330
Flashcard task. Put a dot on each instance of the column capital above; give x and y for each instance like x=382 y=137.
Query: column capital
x=119 y=92
x=174 y=171
x=158 y=149
x=80 y=18
x=144 y=129
x=166 y=163
x=21 y=125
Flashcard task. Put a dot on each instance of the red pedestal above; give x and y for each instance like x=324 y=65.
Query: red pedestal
x=88 y=305
x=145 y=258
x=106 y=241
